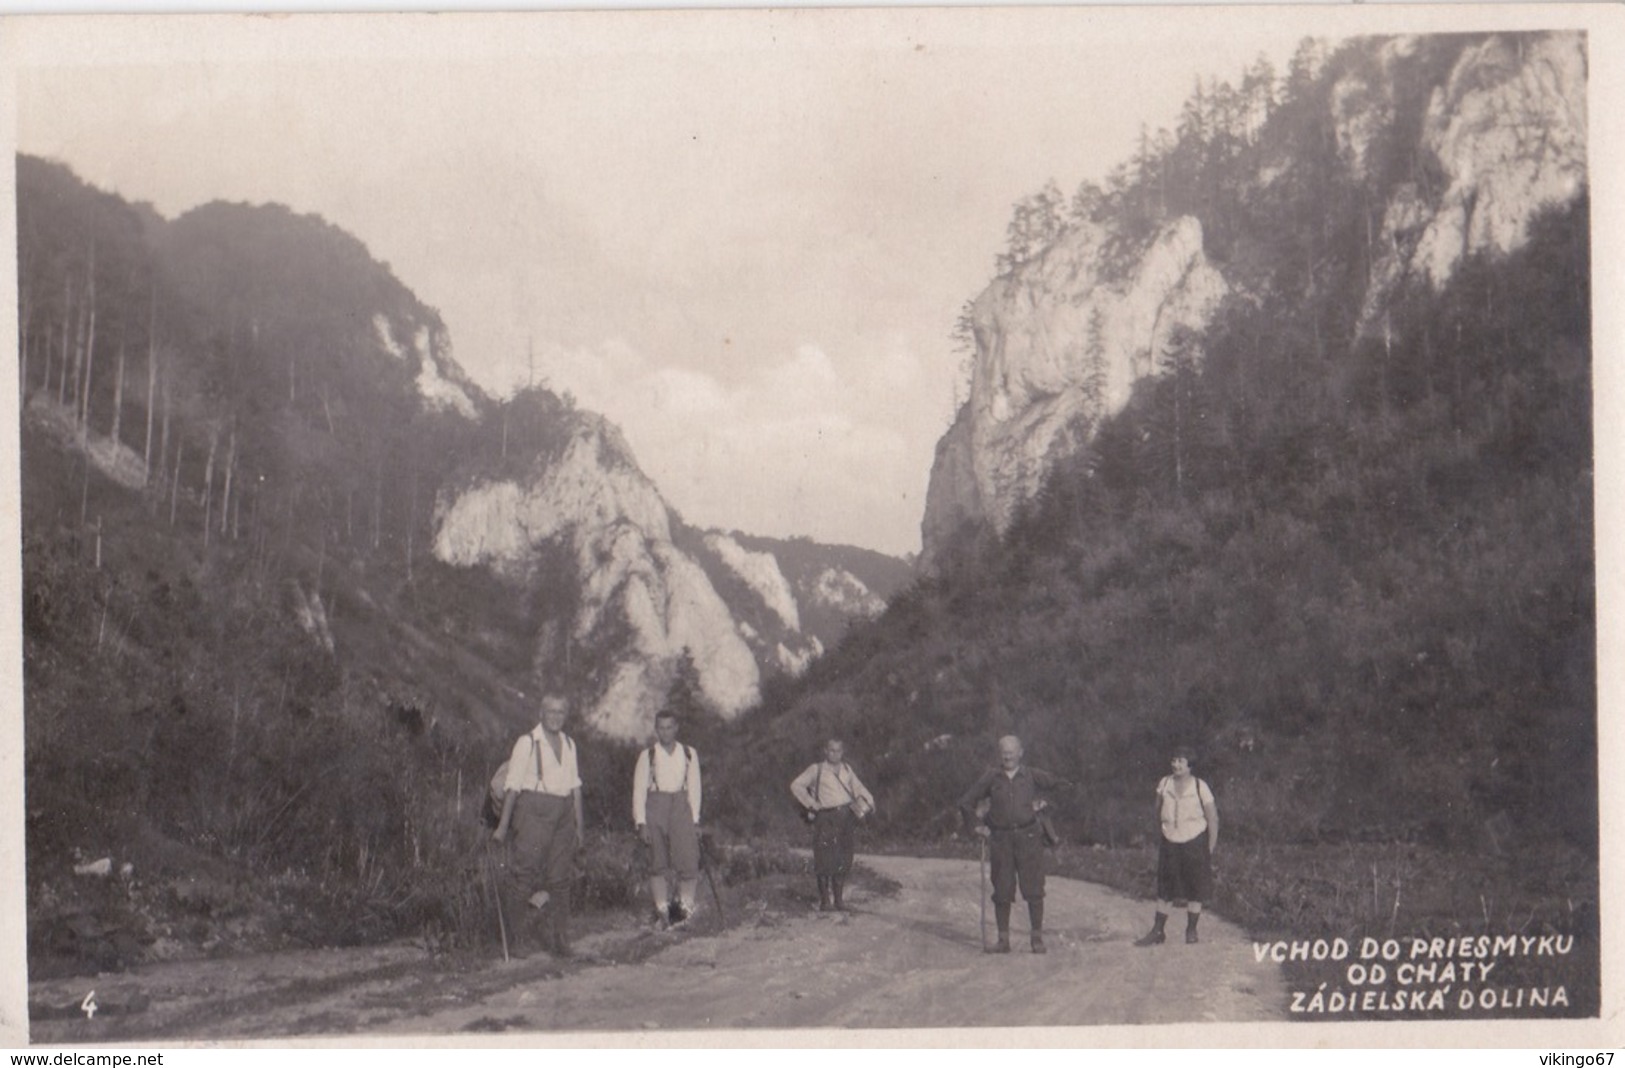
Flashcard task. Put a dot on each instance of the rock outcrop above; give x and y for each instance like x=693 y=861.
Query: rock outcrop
x=440 y=380
x=1061 y=340
x=642 y=603
x=650 y=591
x=1060 y=343
x=1508 y=134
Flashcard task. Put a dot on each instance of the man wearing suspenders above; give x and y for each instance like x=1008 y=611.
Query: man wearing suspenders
x=666 y=810
x=834 y=800
x=542 y=804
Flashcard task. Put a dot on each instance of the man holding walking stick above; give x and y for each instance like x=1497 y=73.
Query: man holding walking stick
x=1012 y=837
x=541 y=806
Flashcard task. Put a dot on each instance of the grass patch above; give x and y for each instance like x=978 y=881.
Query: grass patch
x=1399 y=891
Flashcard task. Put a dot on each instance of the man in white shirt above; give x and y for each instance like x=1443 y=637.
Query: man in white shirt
x=541 y=804
x=666 y=810
x=834 y=800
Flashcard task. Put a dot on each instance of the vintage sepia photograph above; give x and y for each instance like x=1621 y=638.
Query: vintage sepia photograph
x=617 y=524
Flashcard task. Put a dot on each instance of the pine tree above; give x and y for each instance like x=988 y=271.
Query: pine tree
x=1181 y=411
x=685 y=694
x=1036 y=223
x=1095 y=379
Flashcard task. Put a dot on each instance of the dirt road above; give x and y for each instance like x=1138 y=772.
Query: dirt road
x=909 y=960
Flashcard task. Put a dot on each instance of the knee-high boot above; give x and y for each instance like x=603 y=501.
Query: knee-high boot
x=559 y=910
x=1001 y=916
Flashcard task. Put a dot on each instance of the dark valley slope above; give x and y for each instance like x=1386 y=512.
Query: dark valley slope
x=1278 y=444
x=292 y=582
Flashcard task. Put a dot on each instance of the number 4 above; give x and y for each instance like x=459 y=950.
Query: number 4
x=88 y=1006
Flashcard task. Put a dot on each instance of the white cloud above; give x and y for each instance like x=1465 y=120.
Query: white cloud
x=681 y=394
x=793 y=446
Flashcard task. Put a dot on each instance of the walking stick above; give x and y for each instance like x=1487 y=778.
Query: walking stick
x=984 y=893
x=705 y=866
x=496 y=888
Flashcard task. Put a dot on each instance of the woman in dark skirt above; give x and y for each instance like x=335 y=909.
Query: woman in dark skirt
x=1189 y=819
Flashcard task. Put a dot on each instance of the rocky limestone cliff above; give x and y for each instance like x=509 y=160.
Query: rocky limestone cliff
x=1061 y=340
x=1508 y=133
x=441 y=381
x=1060 y=343
x=793 y=598
x=761 y=573
x=649 y=589
x=618 y=528
x=843 y=591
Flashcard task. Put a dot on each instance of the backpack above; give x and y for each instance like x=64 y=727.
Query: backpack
x=491 y=810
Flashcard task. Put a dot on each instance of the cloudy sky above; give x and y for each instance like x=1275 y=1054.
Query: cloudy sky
x=744 y=236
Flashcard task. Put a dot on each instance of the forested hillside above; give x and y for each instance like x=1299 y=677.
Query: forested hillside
x=230 y=650
x=265 y=675
x=1340 y=539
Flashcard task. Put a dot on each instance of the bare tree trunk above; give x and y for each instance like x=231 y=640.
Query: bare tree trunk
x=175 y=482
x=411 y=522
x=90 y=346
x=1179 y=443
x=208 y=486
x=50 y=341
x=152 y=382
x=25 y=316
x=84 y=488
x=261 y=537
x=163 y=434
x=118 y=393
x=231 y=467
x=76 y=386
x=67 y=340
